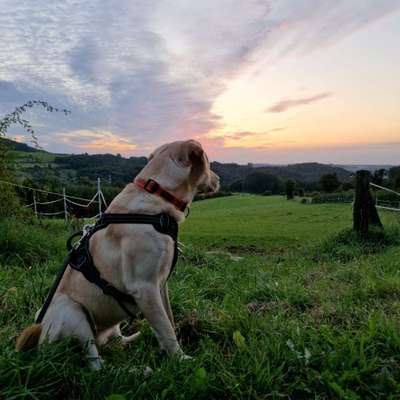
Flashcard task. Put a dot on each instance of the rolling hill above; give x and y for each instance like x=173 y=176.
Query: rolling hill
x=115 y=169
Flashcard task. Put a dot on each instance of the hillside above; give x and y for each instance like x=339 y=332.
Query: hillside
x=368 y=167
x=304 y=172
x=115 y=169
x=308 y=172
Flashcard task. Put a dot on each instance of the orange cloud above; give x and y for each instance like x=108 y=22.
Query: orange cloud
x=97 y=141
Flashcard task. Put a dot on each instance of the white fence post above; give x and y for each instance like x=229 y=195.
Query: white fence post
x=65 y=206
x=99 y=194
x=34 y=204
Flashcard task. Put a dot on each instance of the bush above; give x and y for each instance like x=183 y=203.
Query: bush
x=338 y=197
x=29 y=242
x=9 y=204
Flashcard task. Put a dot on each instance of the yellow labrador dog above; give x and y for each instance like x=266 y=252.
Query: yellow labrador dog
x=136 y=259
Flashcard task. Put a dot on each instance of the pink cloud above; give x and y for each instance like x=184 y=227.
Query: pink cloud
x=286 y=104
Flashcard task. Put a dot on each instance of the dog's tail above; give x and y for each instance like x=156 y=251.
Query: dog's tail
x=29 y=338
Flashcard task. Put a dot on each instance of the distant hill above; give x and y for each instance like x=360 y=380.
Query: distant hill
x=18 y=146
x=308 y=172
x=305 y=172
x=117 y=170
x=113 y=168
x=368 y=167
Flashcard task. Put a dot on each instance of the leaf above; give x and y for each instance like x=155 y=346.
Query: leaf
x=290 y=344
x=307 y=355
x=239 y=340
x=200 y=379
x=115 y=397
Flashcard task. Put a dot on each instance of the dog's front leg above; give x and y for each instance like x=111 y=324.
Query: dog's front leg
x=148 y=299
x=166 y=302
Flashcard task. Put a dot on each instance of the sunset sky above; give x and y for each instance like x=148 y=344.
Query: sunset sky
x=277 y=81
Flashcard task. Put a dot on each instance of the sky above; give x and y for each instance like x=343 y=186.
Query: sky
x=260 y=81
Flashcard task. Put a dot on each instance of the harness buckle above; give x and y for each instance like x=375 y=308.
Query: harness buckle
x=82 y=235
x=151 y=186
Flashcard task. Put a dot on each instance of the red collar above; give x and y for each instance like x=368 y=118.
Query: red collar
x=153 y=187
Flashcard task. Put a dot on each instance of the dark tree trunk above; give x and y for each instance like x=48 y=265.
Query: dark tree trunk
x=364 y=210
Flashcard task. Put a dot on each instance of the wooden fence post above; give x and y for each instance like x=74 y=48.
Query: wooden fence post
x=364 y=211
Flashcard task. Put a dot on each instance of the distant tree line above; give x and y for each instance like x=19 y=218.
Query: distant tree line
x=261 y=182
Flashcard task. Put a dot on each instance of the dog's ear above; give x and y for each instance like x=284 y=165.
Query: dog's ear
x=191 y=154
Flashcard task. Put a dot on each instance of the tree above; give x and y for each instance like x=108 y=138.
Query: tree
x=347 y=186
x=378 y=176
x=15 y=117
x=259 y=182
x=289 y=189
x=8 y=197
x=329 y=183
x=394 y=177
x=236 y=186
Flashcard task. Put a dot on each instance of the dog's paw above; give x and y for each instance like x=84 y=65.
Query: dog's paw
x=95 y=363
x=185 y=357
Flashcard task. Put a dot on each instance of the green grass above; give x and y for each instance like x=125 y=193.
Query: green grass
x=306 y=311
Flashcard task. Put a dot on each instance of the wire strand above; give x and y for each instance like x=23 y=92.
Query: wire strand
x=384 y=188
x=83 y=205
x=45 y=191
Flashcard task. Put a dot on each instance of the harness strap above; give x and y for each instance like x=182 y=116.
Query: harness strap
x=80 y=259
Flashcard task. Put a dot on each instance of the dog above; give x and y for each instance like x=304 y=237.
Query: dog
x=136 y=259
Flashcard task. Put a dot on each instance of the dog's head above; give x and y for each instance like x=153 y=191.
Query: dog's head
x=183 y=168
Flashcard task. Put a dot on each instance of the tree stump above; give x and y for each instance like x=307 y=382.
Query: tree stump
x=364 y=210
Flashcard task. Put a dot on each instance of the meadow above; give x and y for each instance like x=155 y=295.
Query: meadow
x=273 y=299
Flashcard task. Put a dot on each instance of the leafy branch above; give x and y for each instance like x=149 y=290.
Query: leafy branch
x=15 y=117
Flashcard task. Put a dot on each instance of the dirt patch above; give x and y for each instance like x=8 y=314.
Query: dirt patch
x=246 y=249
x=225 y=253
x=189 y=328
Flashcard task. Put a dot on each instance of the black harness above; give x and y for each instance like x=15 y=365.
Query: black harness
x=80 y=259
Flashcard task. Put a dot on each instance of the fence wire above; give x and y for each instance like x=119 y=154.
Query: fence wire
x=98 y=198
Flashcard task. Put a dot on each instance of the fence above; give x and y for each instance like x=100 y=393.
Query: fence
x=64 y=199
x=385 y=204
x=348 y=198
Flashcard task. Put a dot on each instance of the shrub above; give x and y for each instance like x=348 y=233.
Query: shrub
x=338 y=197
x=9 y=204
x=28 y=242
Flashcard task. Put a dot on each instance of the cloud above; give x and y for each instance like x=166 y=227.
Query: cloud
x=286 y=104
x=247 y=134
x=96 y=141
x=240 y=139
x=150 y=71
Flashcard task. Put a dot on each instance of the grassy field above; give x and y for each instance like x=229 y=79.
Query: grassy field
x=273 y=299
